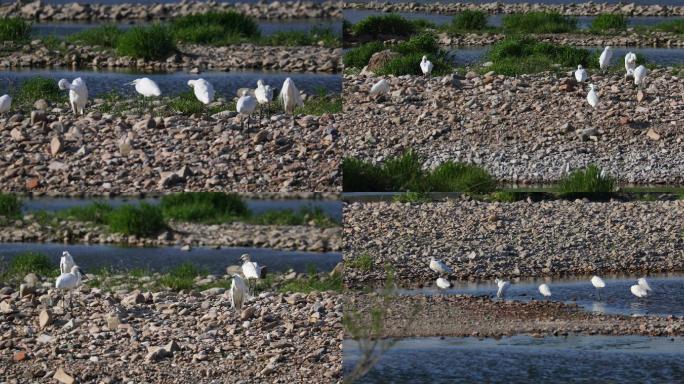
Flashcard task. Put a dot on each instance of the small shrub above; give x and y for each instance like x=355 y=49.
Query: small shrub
x=305 y=216
x=14 y=29
x=10 y=205
x=31 y=262
x=154 y=42
x=422 y=24
x=469 y=20
x=38 y=88
x=361 y=176
x=608 y=22
x=424 y=43
x=358 y=57
x=321 y=104
x=674 y=26
x=214 y=27
x=203 y=206
x=181 y=277
x=451 y=177
x=587 y=180
x=106 y=36
x=539 y=22
x=392 y=24
x=144 y=220
x=363 y=262
x=519 y=55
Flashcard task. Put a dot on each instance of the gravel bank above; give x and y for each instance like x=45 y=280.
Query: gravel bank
x=169 y=337
x=624 y=39
x=102 y=153
x=463 y=316
x=482 y=240
x=576 y=9
x=195 y=58
x=36 y=10
x=523 y=129
x=316 y=196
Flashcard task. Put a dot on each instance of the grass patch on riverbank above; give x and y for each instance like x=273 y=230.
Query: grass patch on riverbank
x=313 y=282
x=606 y=23
x=406 y=173
x=674 y=26
x=181 y=277
x=588 y=180
x=318 y=104
x=105 y=36
x=363 y=262
x=37 y=88
x=143 y=220
x=154 y=42
x=391 y=24
x=186 y=104
x=539 y=22
x=31 y=262
x=358 y=57
x=469 y=21
x=214 y=27
x=10 y=206
x=521 y=55
x=14 y=29
x=203 y=206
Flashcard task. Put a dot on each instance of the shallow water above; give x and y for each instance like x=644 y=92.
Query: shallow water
x=159 y=259
x=667 y=297
x=226 y=84
x=523 y=359
x=332 y=208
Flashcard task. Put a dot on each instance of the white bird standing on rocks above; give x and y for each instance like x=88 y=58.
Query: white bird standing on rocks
x=204 y=91
x=250 y=269
x=264 y=96
x=246 y=104
x=290 y=97
x=238 y=293
x=643 y=283
x=545 y=290
x=503 y=287
x=581 y=74
x=380 y=88
x=592 y=97
x=426 y=66
x=630 y=63
x=443 y=283
x=66 y=262
x=604 y=59
x=599 y=284
x=146 y=87
x=78 y=94
x=5 y=103
x=69 y=281
x=439 y=266
x=638 y=291
x=640 y=75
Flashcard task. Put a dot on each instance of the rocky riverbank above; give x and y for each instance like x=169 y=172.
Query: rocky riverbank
x=576 y=9
x=282 y=237
x=193 y=58
x=103 y=153
x=37 y=10
x=316 y=196
x=164 y=336
x=482 y=240
x=624 y=39
x=523 y=129
x=421 y=316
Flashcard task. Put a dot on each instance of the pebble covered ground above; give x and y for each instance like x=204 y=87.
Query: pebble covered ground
x=523 y=129
x=483 y=240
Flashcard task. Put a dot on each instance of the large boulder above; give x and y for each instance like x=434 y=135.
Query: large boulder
x=379 y=59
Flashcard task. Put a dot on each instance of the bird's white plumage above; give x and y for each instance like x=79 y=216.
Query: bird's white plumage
x=604 y=59
x=443 y=283
x=290 y=97
x=246 y=104
x=439 y=266
x=380 y=88
x=263 y=92
x=592 y=97
x=503 y=287
x=78 y=93
x=250 y=269
x=238 y=292
x=597 y=282
x=5 y=103
x=204 y=91
x=643 y=283
x=630 y=62
x=638 y=291
x=545 y=290
x=66 y=262
x=69 y=280
x=639 y=75
x=581 y=74
x=426 y=65
x=146 y=87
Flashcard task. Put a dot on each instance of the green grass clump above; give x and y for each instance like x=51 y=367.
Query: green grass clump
x=358 y=57
x=411 y=197
x=97 y=212
x=363 y=262
x=31 y=262
x=313 y=283
x=450 y=176
x=392 y=24
x=469 y=20
x=588 y=180
x=674 y=26
x=106 y=36
x=304 y=216
x=14 y=29
x=214 y=27
x=506 y=196
x=539 y=22
x=38 y=88
x=320 y=104
x=608 y=22
x=203 y=206
x=410 y=65
x=10 y=205
x=144 y=220
x=521 y=55
x=181 y=277
x=186 y=104
x=154 y=42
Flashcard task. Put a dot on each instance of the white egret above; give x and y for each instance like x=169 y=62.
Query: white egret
x=246 y=104
x=426 y=66
x=66 y=262
x=643 y=283
x=630 y=63
x=264 y=96
x=146 y=87
x=5 y=103
x=443 y=283
x=581 y=74
x=638 y=291
x=545 y=290
x=380 y=88
x=78 y=94
x=250 y=269
x=439 y=266
x=69 y=281
x=290 y=97
x=599 y=284
x=503 y=287
x=204 y=91
x=592 y=97
x=238 y=292
x=640 y=75
x=604 y=59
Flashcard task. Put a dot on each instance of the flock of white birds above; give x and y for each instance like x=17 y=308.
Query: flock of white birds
x=203 y=90
x=639 y=74
x=71 y=277
x=640 y=289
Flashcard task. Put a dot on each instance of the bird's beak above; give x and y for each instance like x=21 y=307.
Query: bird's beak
x=131 y=83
